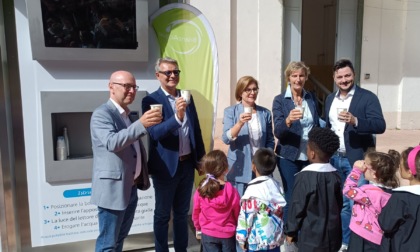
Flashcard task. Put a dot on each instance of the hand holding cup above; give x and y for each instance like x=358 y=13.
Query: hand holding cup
x=152 y=116
x=341 y=114
x=245 y=117
x=301 y=110
x=296 y=114
x=180 y=107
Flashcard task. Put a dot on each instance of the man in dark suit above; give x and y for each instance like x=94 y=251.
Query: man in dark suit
x=355 y=115
x=176 y=146
x=119 y=161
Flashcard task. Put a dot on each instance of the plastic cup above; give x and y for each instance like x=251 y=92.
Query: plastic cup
x=186 y=94
x=339 y=110
x=156 y=106
x=248 y=110
x=301 y=109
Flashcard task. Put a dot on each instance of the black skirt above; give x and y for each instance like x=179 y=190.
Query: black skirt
x=358 y=244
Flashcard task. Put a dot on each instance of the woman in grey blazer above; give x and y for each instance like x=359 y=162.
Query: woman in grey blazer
x=246 y=128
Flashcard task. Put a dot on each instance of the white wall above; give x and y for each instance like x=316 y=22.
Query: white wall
x=391 y=55
x=249 y=35
x=249 y=41
x=218 y=13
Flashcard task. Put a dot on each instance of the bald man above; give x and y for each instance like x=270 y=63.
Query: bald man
x=119 y=161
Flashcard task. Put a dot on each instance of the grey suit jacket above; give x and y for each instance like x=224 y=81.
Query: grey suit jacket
x=114 y=158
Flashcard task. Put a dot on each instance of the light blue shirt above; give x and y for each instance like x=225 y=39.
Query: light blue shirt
x=184 y=140
x=307 y=123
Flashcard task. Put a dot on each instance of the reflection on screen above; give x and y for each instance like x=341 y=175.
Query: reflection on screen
x=89 y=23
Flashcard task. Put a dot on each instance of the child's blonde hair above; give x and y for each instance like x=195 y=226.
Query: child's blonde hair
x=214 y=164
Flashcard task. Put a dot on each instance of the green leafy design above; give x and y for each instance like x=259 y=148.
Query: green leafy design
x=264 y=219
x=242 y=223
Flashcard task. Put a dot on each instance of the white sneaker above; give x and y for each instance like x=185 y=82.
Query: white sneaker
x=343 y=248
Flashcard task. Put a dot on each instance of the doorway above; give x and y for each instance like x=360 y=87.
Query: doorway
x=319 y=21
x=319 y=33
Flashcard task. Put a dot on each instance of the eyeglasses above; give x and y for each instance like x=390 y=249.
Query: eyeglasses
x=127 y=86
x=249 y=90
x=169 y=73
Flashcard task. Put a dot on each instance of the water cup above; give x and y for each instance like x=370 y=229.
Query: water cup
x=339 y=110
x=301 y=109
x=156 y=106
x=248 y=110
x=186 y=94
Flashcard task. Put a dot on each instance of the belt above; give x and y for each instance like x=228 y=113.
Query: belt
x=185 y=157
x=341 y=153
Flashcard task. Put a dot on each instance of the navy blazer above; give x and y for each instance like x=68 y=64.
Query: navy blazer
x=366 y=107
x=240 y=152
x=288 y=145
x=164 y=137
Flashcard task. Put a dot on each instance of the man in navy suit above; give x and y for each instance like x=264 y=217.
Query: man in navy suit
x=119 y=161
x=176 y=146
x=355 y=115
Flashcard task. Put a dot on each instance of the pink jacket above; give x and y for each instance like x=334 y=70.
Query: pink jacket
x=368 y=203
x=217 y=217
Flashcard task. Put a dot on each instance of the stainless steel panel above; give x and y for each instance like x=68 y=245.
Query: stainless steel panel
x=11 y=133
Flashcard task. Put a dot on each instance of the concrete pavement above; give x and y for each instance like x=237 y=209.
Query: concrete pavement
x=398 y=140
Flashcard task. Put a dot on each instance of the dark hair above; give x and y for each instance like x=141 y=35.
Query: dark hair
x=342 y=63
x=396 y=156
x=265 y=161
x=404 y=156
x=214 y=164
x=324 y=142
x=385 y=168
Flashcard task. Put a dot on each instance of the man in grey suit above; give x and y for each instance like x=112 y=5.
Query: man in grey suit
x=119 y=161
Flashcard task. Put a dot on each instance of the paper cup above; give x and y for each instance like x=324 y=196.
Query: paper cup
x=248 y=110
x=156 y=106
x=186 y=94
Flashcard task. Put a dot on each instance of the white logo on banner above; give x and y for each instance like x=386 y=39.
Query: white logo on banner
x=191 y=41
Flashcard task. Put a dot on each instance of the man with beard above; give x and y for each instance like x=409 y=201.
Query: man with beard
x=355 y=115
